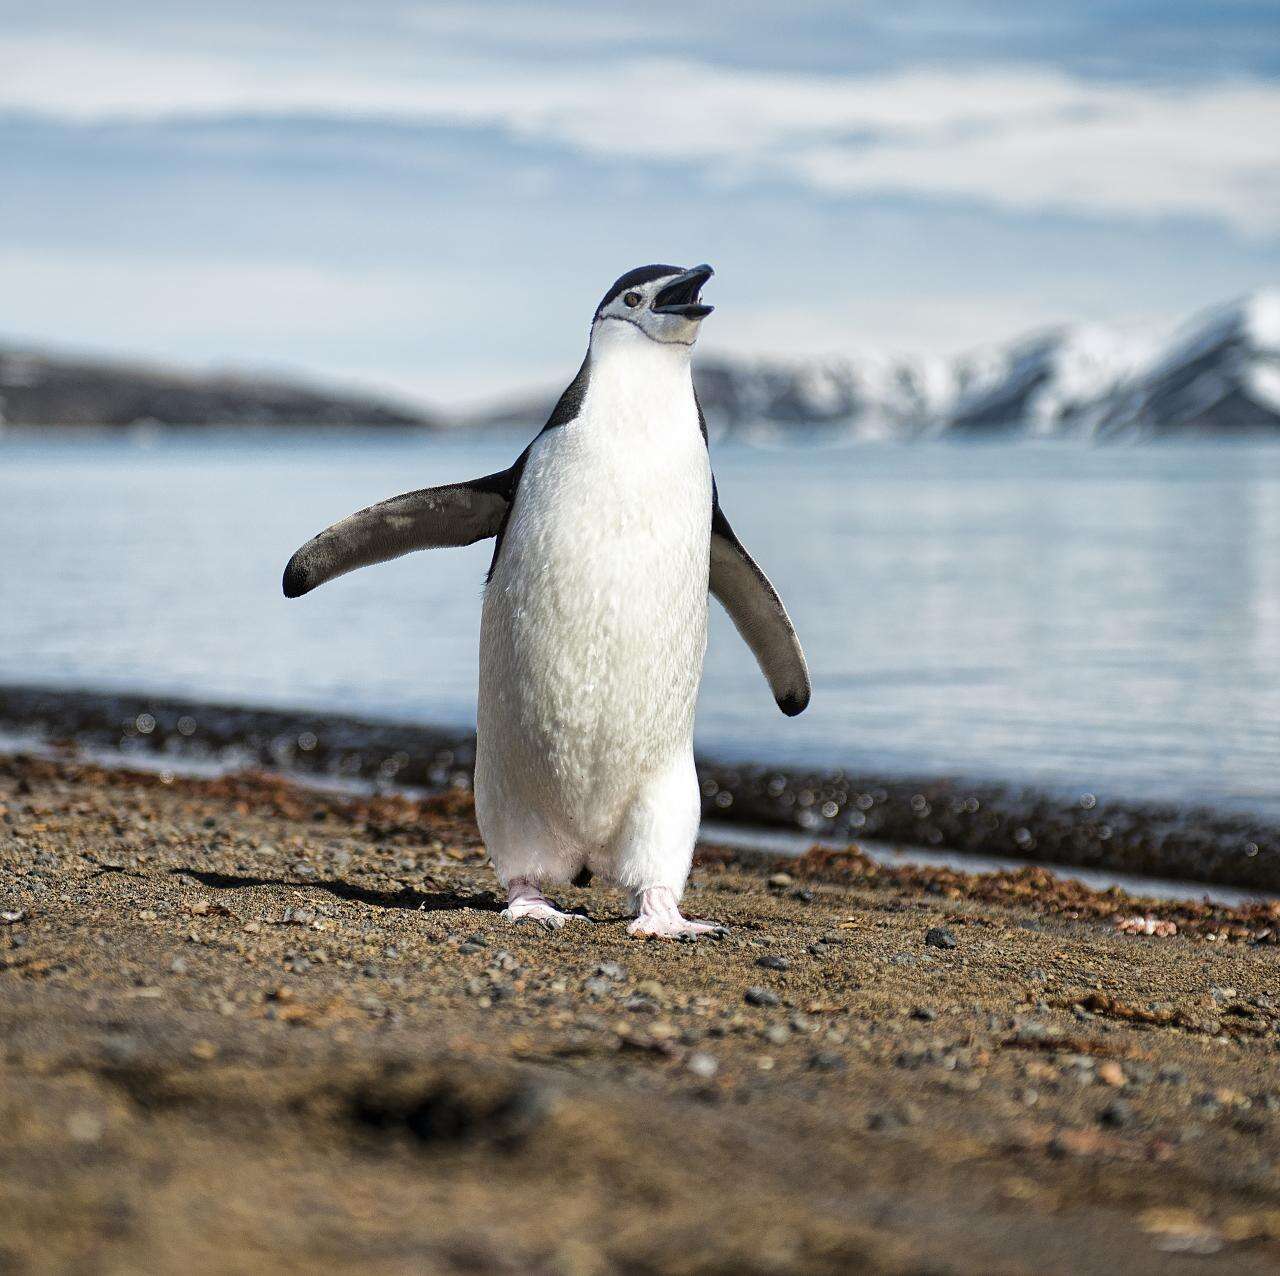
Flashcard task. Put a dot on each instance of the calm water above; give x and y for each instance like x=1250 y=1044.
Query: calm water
x=1108 y=619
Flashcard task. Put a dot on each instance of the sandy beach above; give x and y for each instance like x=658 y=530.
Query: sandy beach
x=252 y=1027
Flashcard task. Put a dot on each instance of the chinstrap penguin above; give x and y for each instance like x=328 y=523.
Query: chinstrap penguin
x=609 y=535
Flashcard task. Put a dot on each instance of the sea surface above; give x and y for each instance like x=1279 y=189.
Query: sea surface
x=1103 y=619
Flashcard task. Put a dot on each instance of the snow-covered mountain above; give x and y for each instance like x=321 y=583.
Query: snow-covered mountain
x=1218 y=374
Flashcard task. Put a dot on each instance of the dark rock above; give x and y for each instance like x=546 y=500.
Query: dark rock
x=941 y=937
x=772 y=962
x=826 y=1061
x=1117 y=1113
x=761 y=997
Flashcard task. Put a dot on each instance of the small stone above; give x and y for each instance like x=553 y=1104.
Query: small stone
x=780 y=880
x=777 y=1034
x=84 y=1127
x=826 y=1061
x=703 y=1065
x=253 y=927
x=926 y=1014
x=11 y=915
x=596 y=986
x=888 y=1119
x=770 y=961
x=1030 y=1032
x=477 y=939
x=611 y=970
x=1111 y=1073
x=178 y=966
x=1117 y=1113
x=761 y=997
x=203 y=1049
x=651 y=988
x=468 y=948
x=941 y=937
x=147 y=915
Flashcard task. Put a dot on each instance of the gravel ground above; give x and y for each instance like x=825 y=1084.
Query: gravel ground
x=1154 y=839
x=245 y=1027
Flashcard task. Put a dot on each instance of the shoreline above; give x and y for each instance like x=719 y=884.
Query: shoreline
x=937 y=814
x=254 y=1026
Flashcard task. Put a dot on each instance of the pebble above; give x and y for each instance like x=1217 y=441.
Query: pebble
x=770 y=961
x=468 y=947
x=1117 y=1113
x=777 y=1034
x=703 y=1065
x=779 y=880
x=651 y=988
x=941 y=937
x=611 y=970
x=826 y=1061
x=893 y=1118
x=761 y=997
x=1111 y=1073
x=596 y=986
x=925 y=1013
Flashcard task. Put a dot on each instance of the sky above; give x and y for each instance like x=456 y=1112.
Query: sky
x=431 y=198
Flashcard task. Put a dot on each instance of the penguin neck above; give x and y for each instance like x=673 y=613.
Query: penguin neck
x=623 y=360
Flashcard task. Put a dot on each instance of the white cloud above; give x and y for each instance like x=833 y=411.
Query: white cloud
x=1029 y=139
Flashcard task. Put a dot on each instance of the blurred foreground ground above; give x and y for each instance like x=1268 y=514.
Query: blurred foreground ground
x=245 y=1027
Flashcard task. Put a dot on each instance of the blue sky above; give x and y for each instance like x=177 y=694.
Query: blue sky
x=431 y=197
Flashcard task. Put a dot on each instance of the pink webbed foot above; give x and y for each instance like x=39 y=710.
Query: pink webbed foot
x=659 y=916
x=526 y=903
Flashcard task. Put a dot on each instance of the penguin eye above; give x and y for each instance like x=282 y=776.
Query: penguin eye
x=632 y=299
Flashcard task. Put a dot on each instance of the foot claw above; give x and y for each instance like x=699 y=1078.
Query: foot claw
x=528 y=904
x=542 y=914
x=660 y=918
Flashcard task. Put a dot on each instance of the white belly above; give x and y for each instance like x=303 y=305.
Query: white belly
x=595 y=622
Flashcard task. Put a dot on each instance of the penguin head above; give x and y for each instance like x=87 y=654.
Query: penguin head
x=661 y=302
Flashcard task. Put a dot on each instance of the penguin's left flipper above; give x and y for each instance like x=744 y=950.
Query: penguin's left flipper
x=756 y=610
x=433 y=518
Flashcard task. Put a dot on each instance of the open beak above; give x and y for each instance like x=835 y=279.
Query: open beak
x=681 y=295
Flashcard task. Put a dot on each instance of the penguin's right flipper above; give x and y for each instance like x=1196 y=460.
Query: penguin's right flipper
x=759 y=616
x=433 y=518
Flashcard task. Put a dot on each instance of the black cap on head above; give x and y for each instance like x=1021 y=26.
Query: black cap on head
x=634 y=278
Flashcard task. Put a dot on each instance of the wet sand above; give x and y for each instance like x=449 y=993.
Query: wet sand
x=250 y=1028
x=1105 y=832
